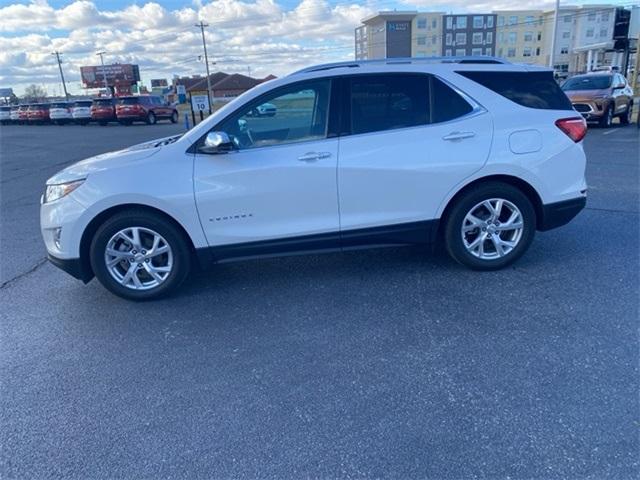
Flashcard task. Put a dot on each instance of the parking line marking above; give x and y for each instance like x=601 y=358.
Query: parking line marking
x=609 y=132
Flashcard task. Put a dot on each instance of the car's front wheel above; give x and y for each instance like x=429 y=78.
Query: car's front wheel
x=140 y=255
x=490 y=226
x=625 y=118
x=151 y=118
x=174 y=117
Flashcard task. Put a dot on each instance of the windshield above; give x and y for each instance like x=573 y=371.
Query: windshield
x=128 y=101
x=103 y=103
x=59 y=105
x=82 y=104
x=591 y=82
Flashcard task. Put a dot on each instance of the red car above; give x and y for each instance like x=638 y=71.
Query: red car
x=145 y=108
x=103 y=110
x=23 y=114
x=38 y=113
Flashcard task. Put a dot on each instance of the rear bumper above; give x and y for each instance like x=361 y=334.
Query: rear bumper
x=560 y=213
x=72 y=266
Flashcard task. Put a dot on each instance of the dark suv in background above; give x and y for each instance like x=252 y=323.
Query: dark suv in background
x=601 y=97
x=144 y=108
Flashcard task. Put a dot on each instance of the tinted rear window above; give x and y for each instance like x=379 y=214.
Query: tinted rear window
x=128 y=101
x=529 y=89
x=387 y=102
x=447 y=103
x=590 y=82
x=82 y=104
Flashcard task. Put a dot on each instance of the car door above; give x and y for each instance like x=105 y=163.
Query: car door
x=279 y=181
x=412 y=138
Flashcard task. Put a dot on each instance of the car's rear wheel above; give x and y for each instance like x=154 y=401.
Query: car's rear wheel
x=151 y=118
x=607 y=118
x=489 y=226
x=174 y=117
x=625 y=118
x=140 y=255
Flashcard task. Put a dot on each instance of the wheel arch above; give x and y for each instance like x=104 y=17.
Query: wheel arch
x=517 y=182
x=92 y=227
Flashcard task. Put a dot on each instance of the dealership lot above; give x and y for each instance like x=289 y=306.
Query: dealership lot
x=394 y=363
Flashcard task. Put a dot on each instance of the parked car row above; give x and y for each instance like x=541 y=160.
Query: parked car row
x=124 y=110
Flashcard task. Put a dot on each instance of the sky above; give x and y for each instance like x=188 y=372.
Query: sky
x=256 y=37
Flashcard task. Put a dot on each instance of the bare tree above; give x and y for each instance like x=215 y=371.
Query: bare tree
x=34 y=93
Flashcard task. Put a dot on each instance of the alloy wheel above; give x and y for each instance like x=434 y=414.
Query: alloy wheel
x=492 y=229
x=138 y=258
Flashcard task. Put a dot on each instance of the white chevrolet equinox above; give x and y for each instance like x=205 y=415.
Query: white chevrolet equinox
x=473 y=152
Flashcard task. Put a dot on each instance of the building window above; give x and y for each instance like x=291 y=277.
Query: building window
x=490 y=21
x=590 y=32
x=539 y=36
x=478 y=21
x=566 y=34
x=501 y=37
x=477 y=39
x=448 y=52
x=511 y=52
x=501 y=21
x=422 y=23
x=461 y=38
x=449 y=39
x=513 y=19
x=528 y=36
x=489 y=37
x=500 y=51
x=526 y=52
x=434 y=23
x=529 y=19
x=449 y=22
x=434 y=39
x=564 y=50
x=592 y=16
x=488 y=51
x=461 y=22
x=567 y=19
x=604 y=16
x=460 y=52
x=538 y=52
x=476 y=52
x=513 y=38
x=603 y=32
x=422 y=40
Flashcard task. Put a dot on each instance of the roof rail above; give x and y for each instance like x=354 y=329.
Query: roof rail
x=400 y=61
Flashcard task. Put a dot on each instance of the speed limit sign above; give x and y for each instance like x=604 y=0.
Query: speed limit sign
x=199 y=103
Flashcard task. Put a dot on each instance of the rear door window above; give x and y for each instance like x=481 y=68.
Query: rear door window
x=447 y=103
x=530 y=89
x=388 y=102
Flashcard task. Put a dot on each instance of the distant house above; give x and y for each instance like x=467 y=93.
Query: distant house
x=223 y=85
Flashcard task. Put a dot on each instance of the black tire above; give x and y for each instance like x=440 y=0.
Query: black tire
x=149 y=220
x=174 y=117
x=625 y=118
x=607 y=118
x=466 y=202
x=151 y=118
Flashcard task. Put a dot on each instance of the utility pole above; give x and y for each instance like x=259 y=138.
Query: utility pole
x=64 y=85
x=553 y=35
x=202 y=25
x=104 y=74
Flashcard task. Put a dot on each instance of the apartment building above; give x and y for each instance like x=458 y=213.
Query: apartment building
x=473 y=34
x=427 y=34
x=519 y=36
x=587 y=37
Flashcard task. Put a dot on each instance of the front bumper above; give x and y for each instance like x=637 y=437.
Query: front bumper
x=560 y=213
x=73 y=266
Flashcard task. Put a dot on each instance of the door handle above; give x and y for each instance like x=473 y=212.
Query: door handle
x=313 y=156
x=453 y=136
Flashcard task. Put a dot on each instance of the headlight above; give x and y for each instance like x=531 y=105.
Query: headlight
x=55 y=192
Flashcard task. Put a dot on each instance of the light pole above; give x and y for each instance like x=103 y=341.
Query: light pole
x=201 y=25
x=553 y=35
x=64 y=85
x=104 y=73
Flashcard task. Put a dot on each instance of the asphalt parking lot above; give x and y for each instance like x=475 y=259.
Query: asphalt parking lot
x=391 y=363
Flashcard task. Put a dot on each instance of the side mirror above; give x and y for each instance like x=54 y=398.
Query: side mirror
x=217 y=142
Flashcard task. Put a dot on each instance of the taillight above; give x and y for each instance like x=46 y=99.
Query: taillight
x=575 y=127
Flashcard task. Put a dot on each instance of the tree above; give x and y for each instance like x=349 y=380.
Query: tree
x=34 y=93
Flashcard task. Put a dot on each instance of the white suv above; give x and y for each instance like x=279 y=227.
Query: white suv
x=474 y=152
